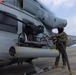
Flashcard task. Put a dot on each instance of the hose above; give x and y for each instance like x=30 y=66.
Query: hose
x=68 y=64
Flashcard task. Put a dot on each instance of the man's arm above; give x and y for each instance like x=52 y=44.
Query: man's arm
x=63 y=37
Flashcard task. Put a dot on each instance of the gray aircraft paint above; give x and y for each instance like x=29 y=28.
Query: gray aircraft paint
x=8 y=39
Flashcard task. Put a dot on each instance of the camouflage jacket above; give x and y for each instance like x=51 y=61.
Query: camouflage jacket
x=60 y=38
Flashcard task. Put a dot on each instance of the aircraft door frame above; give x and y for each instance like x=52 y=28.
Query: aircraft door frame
x=7 y=19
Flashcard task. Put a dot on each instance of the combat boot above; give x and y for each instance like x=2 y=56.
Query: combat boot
x=55 y=66
x=64 y=66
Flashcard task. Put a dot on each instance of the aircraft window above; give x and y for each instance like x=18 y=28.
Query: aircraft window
x=8 y=24
x=20 y=3
x=54 y=20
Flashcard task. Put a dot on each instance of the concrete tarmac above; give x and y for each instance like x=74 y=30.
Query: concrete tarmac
x=59 y=71
x=42 y=63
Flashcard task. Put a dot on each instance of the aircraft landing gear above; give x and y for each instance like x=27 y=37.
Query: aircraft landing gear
x=36 y=69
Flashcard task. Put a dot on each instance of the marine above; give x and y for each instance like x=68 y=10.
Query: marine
x=60 y=40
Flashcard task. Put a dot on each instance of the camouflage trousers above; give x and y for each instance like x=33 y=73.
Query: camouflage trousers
x=63 y=57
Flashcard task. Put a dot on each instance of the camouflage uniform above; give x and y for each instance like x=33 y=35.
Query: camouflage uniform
x=62 y=39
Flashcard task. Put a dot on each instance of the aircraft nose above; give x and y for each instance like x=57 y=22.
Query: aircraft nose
x=62 y=22
x=65 y=22
x=59 y=22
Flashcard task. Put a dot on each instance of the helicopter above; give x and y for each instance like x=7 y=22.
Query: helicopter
x=24 y=27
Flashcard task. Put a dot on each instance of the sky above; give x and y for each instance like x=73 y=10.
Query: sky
x=65 y=9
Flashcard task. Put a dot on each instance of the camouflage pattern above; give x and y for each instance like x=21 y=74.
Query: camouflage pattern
x=58 y=39
x=61 y=38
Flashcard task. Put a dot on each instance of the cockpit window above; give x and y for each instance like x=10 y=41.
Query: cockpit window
x=7 y=23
